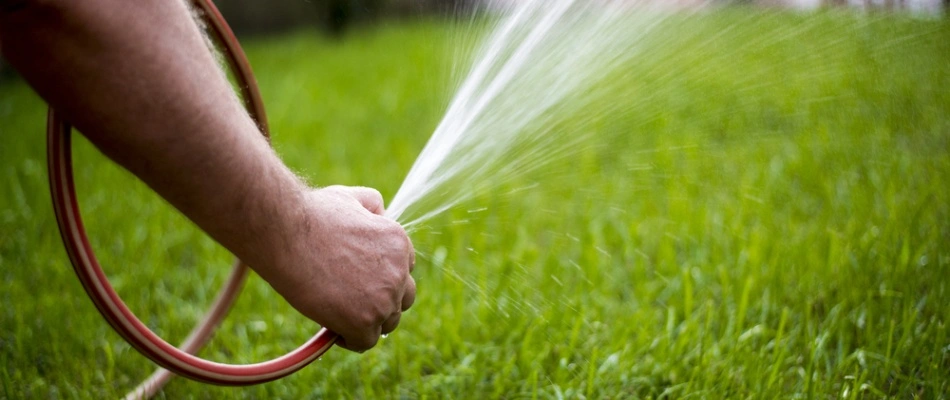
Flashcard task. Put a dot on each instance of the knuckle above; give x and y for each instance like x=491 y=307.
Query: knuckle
x=372 y=318
x=375 y=194
x=367 y=194
x=368 y=342
x=371 y=342
x=398 y=270
x=402 y=275
x=390 y=327
x=408 y=299
x=361 y=344
x=395 y=232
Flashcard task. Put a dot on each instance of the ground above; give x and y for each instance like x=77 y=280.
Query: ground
x=769 y=221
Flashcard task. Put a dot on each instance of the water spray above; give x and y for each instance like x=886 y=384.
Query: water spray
x=538 y=51
x=181 y=360
x=551 y=54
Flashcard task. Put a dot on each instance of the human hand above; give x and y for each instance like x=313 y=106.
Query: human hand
x=329 y=252
x=347 y=267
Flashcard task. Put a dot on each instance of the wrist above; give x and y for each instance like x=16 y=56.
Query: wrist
x=282 y=218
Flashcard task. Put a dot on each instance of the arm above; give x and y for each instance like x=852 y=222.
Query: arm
x=137 y=80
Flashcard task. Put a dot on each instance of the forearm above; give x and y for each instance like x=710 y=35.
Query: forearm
x=137 y=80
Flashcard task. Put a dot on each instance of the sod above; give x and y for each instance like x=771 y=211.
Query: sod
x=772 y=223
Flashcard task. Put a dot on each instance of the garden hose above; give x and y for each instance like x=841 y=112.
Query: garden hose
x=180 y=361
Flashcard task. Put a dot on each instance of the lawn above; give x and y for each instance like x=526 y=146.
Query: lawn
x=767 y=218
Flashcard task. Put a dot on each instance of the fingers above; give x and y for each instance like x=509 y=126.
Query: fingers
x=412 y=256
x=409 y=296
x=391 y=323
x=359 y=344
x=369 y=198
x=384 y=257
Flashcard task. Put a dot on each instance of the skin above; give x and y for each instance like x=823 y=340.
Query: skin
x=137 y=79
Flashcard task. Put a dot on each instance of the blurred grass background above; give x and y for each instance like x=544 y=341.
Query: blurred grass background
x=768 y=220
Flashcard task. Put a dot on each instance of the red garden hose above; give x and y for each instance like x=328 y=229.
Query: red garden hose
x=179 y=361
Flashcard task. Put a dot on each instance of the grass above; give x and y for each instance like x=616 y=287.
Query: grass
x=770 y=221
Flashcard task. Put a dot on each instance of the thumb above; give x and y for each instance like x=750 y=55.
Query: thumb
x=369 y=198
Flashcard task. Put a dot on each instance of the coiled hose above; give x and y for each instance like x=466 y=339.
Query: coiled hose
x=180 y=361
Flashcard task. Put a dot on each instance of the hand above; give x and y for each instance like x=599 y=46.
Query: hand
x=152 y=98
x=348 y=266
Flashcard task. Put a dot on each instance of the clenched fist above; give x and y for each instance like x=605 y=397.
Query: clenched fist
x=348 y=267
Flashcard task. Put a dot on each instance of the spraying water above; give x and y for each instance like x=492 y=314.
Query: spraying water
x=543 y=74
x=543 y=58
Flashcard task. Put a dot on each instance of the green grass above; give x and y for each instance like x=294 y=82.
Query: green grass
x=772 y=220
